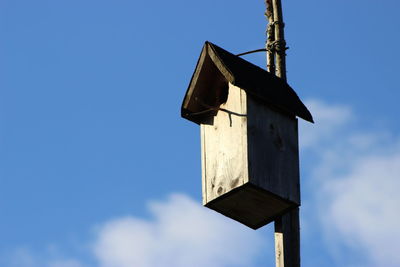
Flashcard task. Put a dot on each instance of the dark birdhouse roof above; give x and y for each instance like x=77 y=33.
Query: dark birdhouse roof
x=216 y=67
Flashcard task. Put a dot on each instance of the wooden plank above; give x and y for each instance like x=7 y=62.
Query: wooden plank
x=203 y=164
x=273 y=151
x=243 y=126
x=225 y=147
x=250 y=205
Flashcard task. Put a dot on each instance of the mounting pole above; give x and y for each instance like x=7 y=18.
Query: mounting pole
x=269 y=14
x=279 y=43
x=287 y=227
x=287 y=240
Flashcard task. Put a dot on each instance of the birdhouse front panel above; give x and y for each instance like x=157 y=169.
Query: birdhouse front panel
x=224 y=147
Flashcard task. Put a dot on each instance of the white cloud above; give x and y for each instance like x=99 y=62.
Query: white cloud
x=357 y=177
x=363 y=208
x=328 y=120
x=182 y=233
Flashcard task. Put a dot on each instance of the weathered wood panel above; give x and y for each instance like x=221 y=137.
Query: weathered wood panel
x=224 y=147
x=203 y=165
x=250 y=205
x=273 y=151
x=250 y=161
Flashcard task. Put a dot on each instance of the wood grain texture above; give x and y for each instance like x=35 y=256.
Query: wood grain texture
x=287 y=227
x=273 y=154
x=249 y=160
x=279 y=250
x=203 y=165
x=224 y=147
x=250 y=205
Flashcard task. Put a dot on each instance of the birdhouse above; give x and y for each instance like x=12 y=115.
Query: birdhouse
x=249 y=137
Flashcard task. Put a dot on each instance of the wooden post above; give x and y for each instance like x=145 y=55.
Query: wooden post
x=287 y=227
x=279 y=43
x=269 y=13
x=287 y=240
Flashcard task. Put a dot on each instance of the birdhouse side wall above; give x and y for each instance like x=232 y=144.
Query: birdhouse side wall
x=273 y=154
x=224 y=147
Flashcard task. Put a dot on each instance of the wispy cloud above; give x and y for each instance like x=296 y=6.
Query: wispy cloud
x=329 y=120
x=181 y=233
x=362 y=208
x=357 y=176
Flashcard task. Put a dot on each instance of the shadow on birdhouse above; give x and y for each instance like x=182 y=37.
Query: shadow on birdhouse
x=249 y=137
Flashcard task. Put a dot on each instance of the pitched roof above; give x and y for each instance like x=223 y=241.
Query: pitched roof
x=216 y=67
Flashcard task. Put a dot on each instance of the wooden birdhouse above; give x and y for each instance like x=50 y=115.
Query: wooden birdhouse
x=249 y=137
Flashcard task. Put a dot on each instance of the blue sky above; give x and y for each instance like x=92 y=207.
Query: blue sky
x=98 y=169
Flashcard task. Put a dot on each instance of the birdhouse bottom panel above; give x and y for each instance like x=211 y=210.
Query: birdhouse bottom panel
x=251 y=206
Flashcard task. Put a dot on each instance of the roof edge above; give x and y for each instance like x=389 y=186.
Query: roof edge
x=219 y=63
